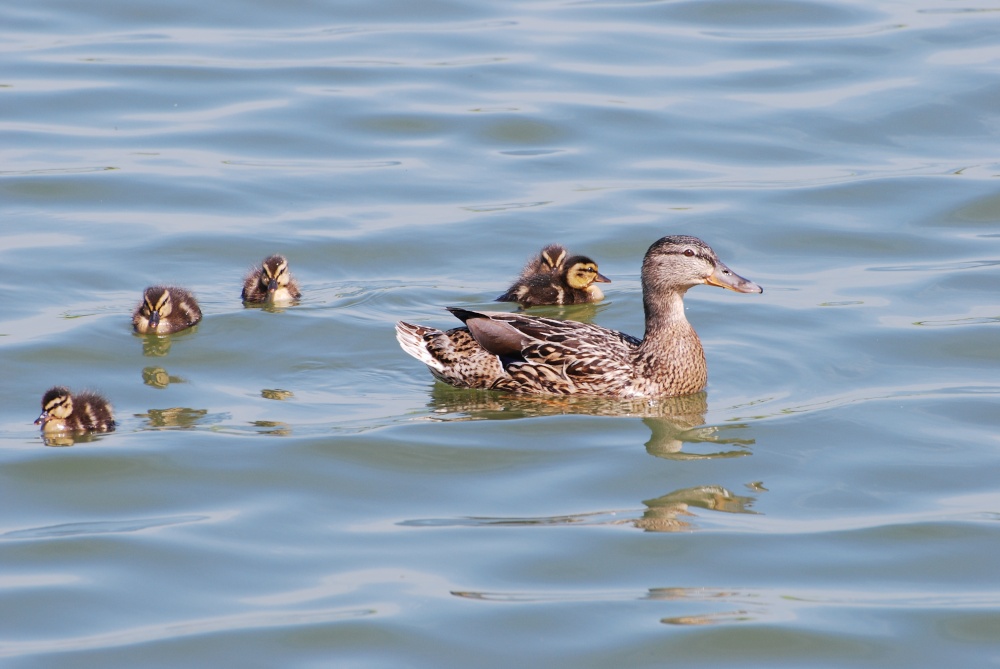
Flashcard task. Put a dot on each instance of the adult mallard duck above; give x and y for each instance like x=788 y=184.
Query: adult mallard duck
x=270 y=283
x=84 y=412
x=165 y=309
x=524 y=354
x=554 y=278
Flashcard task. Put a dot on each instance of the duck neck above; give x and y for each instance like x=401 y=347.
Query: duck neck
x=665 y=318
x=670 y=343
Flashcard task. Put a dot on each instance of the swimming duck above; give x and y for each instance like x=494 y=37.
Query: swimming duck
x=552 y=278
x=165 y=309
x=85 y=412
x=271 y=283
x=525 y=354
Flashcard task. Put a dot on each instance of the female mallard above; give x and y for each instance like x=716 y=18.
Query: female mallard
x=524 y=354
x=270 y=283
x=85 y=412
x=552 y=278
x=165 y=309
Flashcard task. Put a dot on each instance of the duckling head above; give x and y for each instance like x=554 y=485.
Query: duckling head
x=156 y=305
x=581 y=273
x=57 y=405
x=552 y=257
x=274 y=274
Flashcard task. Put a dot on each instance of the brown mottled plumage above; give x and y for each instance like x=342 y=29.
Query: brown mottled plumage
x=270 y=283
x=525 y=354
x=84 y=412
x=552 y=278
x=165 y=309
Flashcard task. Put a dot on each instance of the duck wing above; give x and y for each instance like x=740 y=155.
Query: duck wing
x=545 y=355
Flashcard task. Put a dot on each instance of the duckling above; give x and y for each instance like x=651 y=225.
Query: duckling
x=85 y=412
x=164 y=310
x=552 y=278
x=271 y=283
x=535 y=355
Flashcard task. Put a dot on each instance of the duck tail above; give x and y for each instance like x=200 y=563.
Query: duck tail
x=413 y=339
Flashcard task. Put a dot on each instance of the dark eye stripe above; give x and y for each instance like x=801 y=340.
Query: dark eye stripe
x=683 y=253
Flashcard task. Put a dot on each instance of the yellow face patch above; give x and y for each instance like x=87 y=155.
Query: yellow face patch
x=582 y=275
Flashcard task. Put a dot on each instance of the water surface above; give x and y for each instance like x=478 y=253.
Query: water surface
x=287 y=487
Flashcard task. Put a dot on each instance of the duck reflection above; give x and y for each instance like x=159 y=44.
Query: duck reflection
x=672 y=421
x=669 y=513
x=673 y=512
x=742 y=605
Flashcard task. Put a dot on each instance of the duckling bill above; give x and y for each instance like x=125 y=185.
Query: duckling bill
x=86 y=411
x=270 y=283
x=164 y=310
x=554 y=277
x=533 y=355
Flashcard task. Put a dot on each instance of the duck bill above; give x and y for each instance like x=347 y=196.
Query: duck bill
x=44 y=416
x=600 y=278
x=272 y=285
x=723 y=277
x=154 y=319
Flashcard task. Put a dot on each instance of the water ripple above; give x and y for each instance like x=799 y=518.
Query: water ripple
x=254 y=620
x=100 y=527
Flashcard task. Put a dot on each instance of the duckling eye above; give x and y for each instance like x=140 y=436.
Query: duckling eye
x=689 y=253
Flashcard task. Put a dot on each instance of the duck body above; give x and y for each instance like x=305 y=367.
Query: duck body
x=164 y=310
x=270 y=283
x=524 y=354
x=86 y=411
x=554 y=277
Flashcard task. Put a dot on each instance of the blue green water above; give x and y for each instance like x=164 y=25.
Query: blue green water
x=288 y=488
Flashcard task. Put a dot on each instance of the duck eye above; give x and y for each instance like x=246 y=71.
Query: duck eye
x=689 y=253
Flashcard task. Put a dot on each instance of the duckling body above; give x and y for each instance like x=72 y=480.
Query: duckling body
x=271 y=283
x=164 y=310
x=525 y=354
x=84 y=412
x=554 y=278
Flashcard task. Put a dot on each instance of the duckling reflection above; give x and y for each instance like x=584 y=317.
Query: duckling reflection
x=174 y=417
x=272 y=428
x=63 y=439
x=155 y=346
x=276 y=394
x=672 y=421
x=158 y=377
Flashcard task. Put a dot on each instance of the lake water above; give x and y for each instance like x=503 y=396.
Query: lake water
x=287 y=488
